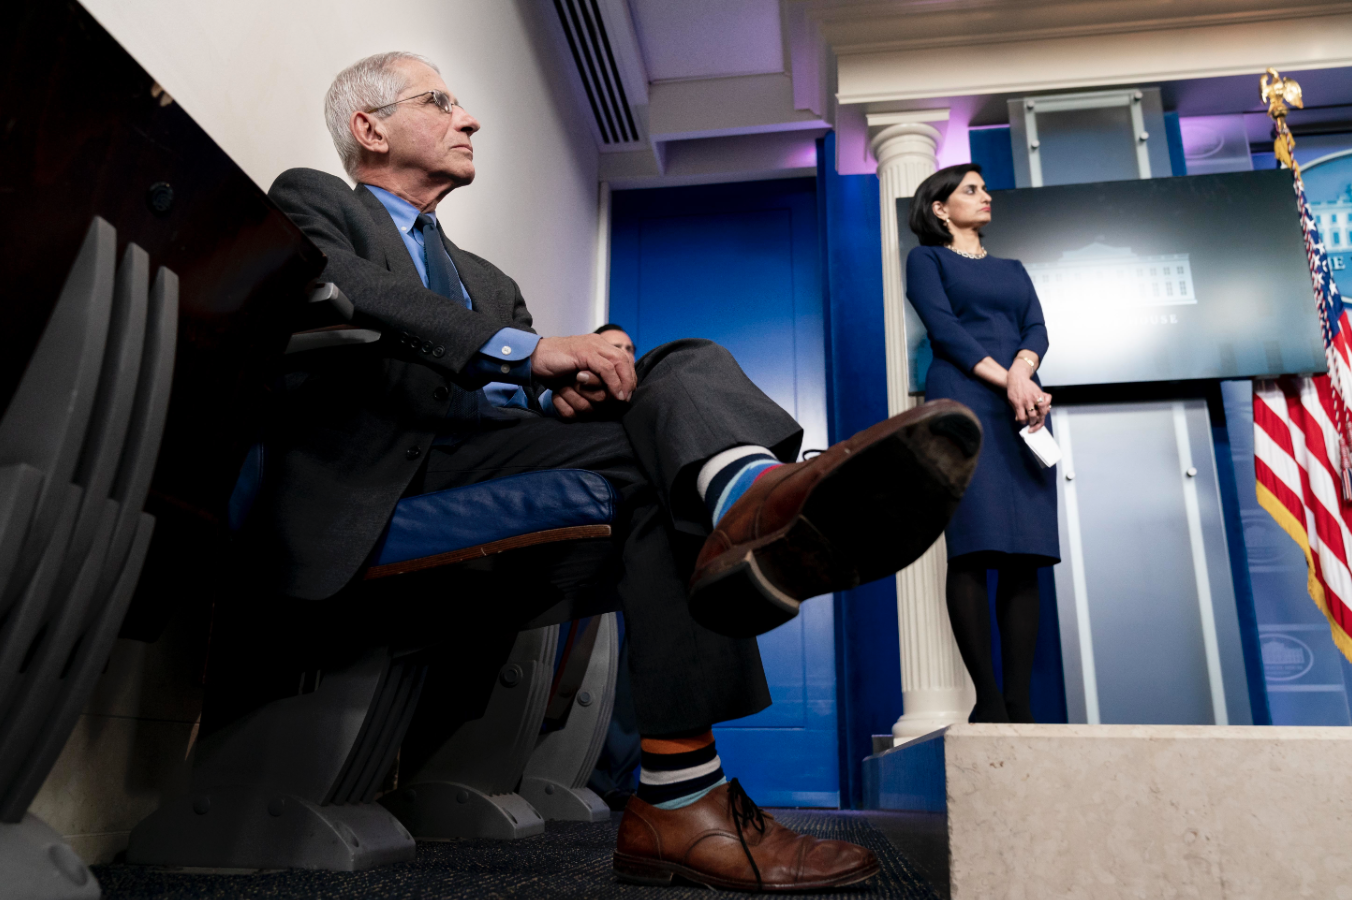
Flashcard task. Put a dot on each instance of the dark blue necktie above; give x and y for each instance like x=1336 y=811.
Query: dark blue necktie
x=441 y=274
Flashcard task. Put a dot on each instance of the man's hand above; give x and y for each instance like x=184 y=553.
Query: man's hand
x=580 y=397
x=584 y=370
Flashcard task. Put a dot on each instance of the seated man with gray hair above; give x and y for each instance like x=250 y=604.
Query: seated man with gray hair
x=462 y=390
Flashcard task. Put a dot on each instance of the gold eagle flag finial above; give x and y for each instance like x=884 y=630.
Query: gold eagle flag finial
x=1278 y=93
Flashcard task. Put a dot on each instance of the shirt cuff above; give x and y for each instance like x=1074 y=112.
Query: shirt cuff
x=506 y=356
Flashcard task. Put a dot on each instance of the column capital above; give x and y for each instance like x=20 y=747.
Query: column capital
x=886 y=127
x=888 y=141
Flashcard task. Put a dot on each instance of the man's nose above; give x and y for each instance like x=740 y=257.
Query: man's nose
x=470 y=124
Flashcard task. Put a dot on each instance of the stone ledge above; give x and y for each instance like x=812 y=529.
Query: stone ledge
x=1145 y=810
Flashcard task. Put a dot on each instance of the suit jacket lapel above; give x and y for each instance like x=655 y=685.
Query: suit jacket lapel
x=387 y=236
x=486 y=291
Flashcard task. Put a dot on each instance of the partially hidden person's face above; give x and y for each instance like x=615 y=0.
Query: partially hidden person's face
x=969 y=206
x=423 y=137
x=617 y=338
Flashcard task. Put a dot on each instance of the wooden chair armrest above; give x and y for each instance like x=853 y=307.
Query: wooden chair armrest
x=549 y=536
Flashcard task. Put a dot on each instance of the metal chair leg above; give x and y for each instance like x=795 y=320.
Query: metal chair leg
x=291 y=785
x=555 y=779
x=468 y=787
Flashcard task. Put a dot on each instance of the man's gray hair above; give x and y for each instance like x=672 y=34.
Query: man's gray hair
x=367 y=84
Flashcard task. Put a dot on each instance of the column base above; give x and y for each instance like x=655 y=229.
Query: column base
x=905 y=729
x=928 y=711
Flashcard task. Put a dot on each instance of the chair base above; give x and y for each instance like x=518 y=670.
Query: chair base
x=555 y=800
x=36 y=864
x=437 y=810
x=237 y=828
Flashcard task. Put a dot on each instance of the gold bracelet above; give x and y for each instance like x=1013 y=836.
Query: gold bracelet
x=1032 y=365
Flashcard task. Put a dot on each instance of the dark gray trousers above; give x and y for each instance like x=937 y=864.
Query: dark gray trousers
x=692 y=402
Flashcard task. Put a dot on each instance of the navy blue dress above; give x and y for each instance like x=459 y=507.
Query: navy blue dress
x=976 y=308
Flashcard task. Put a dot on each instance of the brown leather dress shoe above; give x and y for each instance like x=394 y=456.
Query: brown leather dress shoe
x=725 y=841
x=864 y=509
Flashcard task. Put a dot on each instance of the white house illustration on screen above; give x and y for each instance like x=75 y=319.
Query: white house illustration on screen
x=1100 y=274
x=1334 y=218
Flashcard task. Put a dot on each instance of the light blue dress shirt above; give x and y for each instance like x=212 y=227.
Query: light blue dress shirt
x=507 y=353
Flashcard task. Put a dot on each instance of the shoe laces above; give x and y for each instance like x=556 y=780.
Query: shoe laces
x=745 y=812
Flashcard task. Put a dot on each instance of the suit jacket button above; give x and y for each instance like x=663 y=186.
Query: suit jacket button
x=440 y=393
x=413 y=452
x=438 y=351
x=427 y=347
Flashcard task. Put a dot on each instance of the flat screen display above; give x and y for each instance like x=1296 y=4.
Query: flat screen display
x=1157 y=280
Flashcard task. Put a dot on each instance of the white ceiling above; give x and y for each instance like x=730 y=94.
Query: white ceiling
x=708 y=38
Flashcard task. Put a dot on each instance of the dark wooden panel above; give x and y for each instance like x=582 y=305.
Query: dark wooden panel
x=85 y=131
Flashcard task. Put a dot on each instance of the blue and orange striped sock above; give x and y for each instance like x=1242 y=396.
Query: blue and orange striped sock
x=726 y=476
x=677 y=771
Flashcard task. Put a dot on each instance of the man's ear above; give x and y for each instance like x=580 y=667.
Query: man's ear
x=369 y=132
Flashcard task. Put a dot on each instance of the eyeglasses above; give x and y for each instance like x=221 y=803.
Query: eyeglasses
x=441 y=100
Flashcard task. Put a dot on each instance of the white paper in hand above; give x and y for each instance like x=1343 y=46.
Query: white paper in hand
x=1043 y=446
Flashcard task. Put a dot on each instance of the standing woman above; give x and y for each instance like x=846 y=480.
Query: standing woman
x=986 y=328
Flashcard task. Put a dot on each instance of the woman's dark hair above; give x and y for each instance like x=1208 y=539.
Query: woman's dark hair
x=939 y=186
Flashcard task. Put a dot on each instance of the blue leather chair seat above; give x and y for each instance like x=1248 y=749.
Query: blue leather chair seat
x=457 y=518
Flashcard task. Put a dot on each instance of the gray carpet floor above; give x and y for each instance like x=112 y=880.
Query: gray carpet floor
x=570 y=860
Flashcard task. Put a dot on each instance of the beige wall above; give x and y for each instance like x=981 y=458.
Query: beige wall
x=253 y=73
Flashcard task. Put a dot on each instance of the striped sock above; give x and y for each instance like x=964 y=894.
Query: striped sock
x=678 y=771
x=726 y=476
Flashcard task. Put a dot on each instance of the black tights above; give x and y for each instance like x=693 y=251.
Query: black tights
x=1016 y=612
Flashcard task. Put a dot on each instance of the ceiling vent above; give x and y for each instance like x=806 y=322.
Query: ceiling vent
x=595 y=61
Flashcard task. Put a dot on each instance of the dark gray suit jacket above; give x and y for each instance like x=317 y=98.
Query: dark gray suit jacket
x=353 y=425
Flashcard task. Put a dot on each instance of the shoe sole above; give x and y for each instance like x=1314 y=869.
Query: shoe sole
x=910 y=481
x=659 y=873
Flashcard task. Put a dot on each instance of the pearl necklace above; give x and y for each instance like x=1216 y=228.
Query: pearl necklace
x=981 y=255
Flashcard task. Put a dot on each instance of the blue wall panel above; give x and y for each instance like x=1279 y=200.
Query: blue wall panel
x=1178 y=160
x=990 y=149
x=740 y=292
x=867 y=647
x=739 y=264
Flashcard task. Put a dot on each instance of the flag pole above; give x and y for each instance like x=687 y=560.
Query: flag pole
x=1280 y=94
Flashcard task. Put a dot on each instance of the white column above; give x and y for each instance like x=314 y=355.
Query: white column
x=600 y=306
x=936 y=689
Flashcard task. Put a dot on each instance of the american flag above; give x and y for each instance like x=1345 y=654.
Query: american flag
x=1301 y=448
